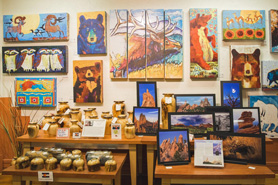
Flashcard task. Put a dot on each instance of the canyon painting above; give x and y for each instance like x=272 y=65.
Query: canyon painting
x=146 y=94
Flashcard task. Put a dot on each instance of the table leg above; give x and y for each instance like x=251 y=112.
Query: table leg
x=107 y=182
x=140 y=160
x=150 y=164
x=118 y=178
x=16 y=180
x=165 y=181
x=133 y=165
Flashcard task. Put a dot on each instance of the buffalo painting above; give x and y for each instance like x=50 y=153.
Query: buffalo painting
x=269 y=75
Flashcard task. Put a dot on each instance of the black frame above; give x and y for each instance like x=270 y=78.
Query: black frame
x=173 y=162
x=138 y=95
x=241 y=161
x=221 y=109
x=193 y=95
x=246 y=108
x=191 y=113
x=222 y=92
x=158 y=123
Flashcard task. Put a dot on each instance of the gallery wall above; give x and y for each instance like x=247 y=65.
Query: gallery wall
x=126 y=89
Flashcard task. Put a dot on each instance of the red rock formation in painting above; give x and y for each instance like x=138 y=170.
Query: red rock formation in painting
x=186 y=107
x=245 y=124
x=142 y=125
x=148 y=100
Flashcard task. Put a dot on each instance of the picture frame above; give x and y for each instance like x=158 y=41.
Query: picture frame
x=269 y=70
x=231 y=93
x=146 y=120
x=246 y=120
x=180 y=157
x=146 y=94
x=251 y=149
x=197 y=123
x=182 y=100
x=222 y=117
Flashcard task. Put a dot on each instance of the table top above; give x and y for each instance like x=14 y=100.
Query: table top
x=118 y=157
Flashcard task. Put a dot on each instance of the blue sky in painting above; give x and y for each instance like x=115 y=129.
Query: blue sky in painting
x=237 y=114
x=193 y=99
x=231 y=88
x=151 y=114
x=171 y=135
x=143 y=88
x=194 y=120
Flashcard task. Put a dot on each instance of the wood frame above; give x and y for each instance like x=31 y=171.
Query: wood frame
x=138 y=83
x=222 y=91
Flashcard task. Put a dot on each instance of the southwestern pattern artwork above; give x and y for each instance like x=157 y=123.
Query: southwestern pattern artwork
x=35 y=59
x=36 y=27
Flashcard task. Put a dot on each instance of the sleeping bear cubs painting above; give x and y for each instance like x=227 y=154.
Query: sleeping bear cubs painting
x=88 y=82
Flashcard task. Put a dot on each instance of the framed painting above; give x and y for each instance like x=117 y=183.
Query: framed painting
x=194 y=102
x=146 y=120
x=245 y=65
x=118 y=43
x=246 y=120
x=268 y=105
x=243 y=25
x=35 y=59
x=173 y=147
x=241 y=148
x=91 y=33
x=36 y=92
x=269 y=75
x=146 y=94
x=203 y=43
x=87 y=81
x=36 y=27
x=231 y=93
x=273 y=18
x=222 y=117
x=197 y=123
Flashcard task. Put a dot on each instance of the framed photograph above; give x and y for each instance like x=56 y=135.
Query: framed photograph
x=241 y=148
x=197 y=123
x=146 y=94
x=194 y=102
x=246 y=120
x=222 y=117
x=231 y=93
x=173 y=147
x=146 y=120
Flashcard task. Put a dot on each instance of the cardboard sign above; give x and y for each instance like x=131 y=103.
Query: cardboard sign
x=76 y=135
x=116 y=131
x=62 y=133
x=94 y=128
x=45 y=176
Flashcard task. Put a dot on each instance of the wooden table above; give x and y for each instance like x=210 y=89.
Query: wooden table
x=99 y=177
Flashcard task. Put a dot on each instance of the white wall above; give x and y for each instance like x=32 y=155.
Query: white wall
x=126 y=90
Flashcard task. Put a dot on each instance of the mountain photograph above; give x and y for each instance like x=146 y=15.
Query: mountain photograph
x=146 y=120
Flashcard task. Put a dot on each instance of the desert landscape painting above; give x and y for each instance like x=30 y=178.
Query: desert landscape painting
x=193 y=103
x=146 y=94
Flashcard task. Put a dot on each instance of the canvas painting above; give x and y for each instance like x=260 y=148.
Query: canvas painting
x=243 y=25
x=203 y=43
x=246 y=120
x=36 y=27
x=273 y=17
x=87 y=81
x=146 y=94
x=36 y=92
x=91 y=33
x=222 y=115
x=269 y=75
x=245 y=65
x=268 y=113
x=231 y=94
x=146 y=120
x=35 y=59
x=173 y=49
x=118 y=43
x=194 y=102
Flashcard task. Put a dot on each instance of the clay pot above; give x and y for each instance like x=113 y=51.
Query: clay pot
x=78 y=165
x=123 y=121
x=74 y=127
x=168 y=104
x=65 y=164
x=56 y=151
x=33 y=129
x=93 y=165
x=37 y=163
x=94 y=112
x=110 y=165
x=130 y=116
x=22 y=162
x=104 y=158
x=76 y=152
x=88 y=113
x=104 y=113
x=47 y=119
x=52 y=130
x=79 y=114
x=66 y=120
x=93 y=117
x=63 y=106
x=108 y=119
x=118 y=108
x=130 y=131
x=51 y=163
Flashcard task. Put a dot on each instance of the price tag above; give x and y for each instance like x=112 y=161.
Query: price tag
x=83 y=118
x=168 y=167
x=80 y=124
x=40 y=122
x=76 y=135
x=68 y=111
x=61 y=120
x=129 y=120
x=45 y=176
x=118 y=107
x=62 y=133
x=114 y=120
x=116 y=131
x=252 y=168
x=46 y=126
x=168 y=100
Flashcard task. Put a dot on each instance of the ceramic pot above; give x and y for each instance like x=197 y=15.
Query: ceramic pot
x=74 y=115
x=104 y=113
x=130 y=116
x=87 y=113
x=22 y=162
x=56 y=151
x=74 y=127
x=104 y=158
x=118 y=108
x=76 y=152
x=47 y=119
x=108 y=119
x=79 y=115
x=123 y=121
x=63 y=107
x=78 y=165
x=52 y=130
x=57 y=118
x=110 y=165
x=93 y=117
x=94 y=112
x=51 y=163
x=65 y=164
x=66 y=120
x=93 y=165
x=168 y=104
x=33 y=129
x=37 y=163
x=130 y=131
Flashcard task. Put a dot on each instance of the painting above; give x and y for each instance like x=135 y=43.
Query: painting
x=146 y=120
x=197 y=123
x=87 y=81
x=269 y=75
x=246 y=120
x=146 y=94
x=36 y=92
x=242 y=148
x=173 y=147
x=36 y=27
x=243 y=25
x=173 y=49
x=194 y=102
x=231 y=93
x=203 y=43
x=273 y=17
x=268 y=113
x=35 y=59
x=222 y=116
x=118 y=43
x=91 y=33
x=137 y=44
x=245 y=65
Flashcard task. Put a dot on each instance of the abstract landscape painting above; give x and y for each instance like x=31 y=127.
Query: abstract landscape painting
x=203 y=43
x=36 y=92
x=231 y=94
x=36 y=27
x=146 y=94
x=273 y=17
x=243 y=25
x=269 y=75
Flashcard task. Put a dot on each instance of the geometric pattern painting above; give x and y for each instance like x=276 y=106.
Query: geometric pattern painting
x=36 y=27
x=36 y=92
x=273 y=19
x=269 y=75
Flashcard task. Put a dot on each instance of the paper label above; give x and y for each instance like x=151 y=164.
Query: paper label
x=45 y=176
x=83 y=118
x=62 y=133
x=118 y=107
x=80 y=124
x=94 y=128
x=68 y=111
x=40 y=122
x=61 y=120
x=114 y=120
x=168 y=167
x=46 y=126
x=168 y=100
x=129 y=120
x=116 y=131
x=76 y=135
x=252 y=168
